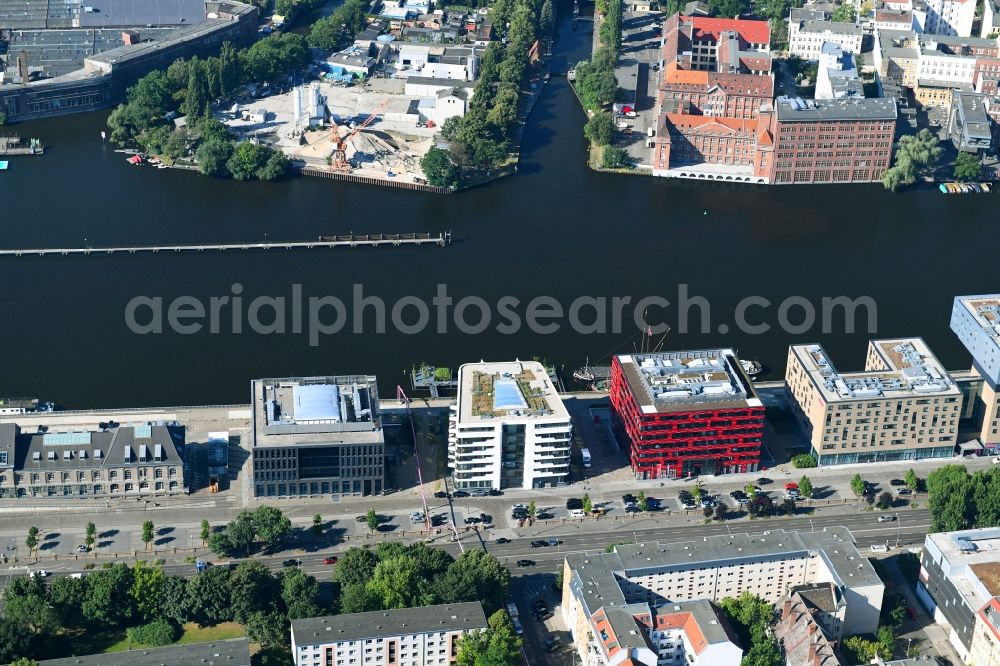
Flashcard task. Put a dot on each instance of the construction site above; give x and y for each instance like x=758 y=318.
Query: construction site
x=372 y=130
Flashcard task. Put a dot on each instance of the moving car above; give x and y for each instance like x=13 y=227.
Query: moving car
x=525 y=563
x=40 y=573
x=539 y=543
x=501 y=541
x=291 y=563
x=553 y=542
x=886 y=518
x=332 y=559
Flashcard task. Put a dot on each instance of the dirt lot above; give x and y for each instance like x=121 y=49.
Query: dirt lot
x=389 y=147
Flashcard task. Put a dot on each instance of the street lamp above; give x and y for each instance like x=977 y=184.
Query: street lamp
x=899 y=524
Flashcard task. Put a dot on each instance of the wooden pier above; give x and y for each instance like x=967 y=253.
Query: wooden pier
x=12 y=144
x=344 y=240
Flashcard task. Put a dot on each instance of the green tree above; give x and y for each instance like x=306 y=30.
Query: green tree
x=252 y=588
x=729 y=8
x=269 y=629
x=248 y=158
x=213 y=157
x=14 y=640
x=23 y=661
x=439 y=169
x=532 y=509
x=198 y=95
x=912 y=482
x=206 y=530
x=90 y=537
x=475 y=576
x=752 y=618
x=914 y=154
x=803 y=461
x=317 y=526
x=356 y=566
x=209 y=598
x=109 y=598
x=25 y=601
x=395 y=583
x=751 y=491
x=858 y=485
x=31 y=541
x=148 y=533
x=147 y=590
x=860 y=650
x=275 y=167
x=66 y=596
x=499 y=645
x=431 y=562
x=967 y=167
x=546 y=18
x=300 y=592
x=600 y=130
x=174 y=601
x=615 y=158
x=721 y=511
x=885 y=501
x=355 y=598
x=595 y=83
x=885 y=641
x=155 y=633
x=805 y=486
x=588 y=505
x=271 y=525
x=229 y=69
x=371 y=519
x=950 y=495
x=845 y=13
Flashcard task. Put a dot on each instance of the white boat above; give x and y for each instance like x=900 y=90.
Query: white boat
x=751 y=367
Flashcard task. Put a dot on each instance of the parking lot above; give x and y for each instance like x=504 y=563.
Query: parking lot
x=638 y=70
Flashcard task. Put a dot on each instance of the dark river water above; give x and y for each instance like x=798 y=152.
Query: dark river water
x=555 y=230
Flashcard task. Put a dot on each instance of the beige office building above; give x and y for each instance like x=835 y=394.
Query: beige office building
x=903 y=406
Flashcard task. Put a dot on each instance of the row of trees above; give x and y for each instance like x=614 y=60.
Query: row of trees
x=151 y=605
x=396 y=576
x=266 y=525
x=483 y=138
x=959 y=501
x=595 y=80
x=189 y=87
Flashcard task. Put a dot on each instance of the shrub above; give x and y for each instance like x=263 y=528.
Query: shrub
x=803 y=461
x=156 y=633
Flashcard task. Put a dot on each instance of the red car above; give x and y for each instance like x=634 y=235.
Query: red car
x=330 y=560
x=791 y=485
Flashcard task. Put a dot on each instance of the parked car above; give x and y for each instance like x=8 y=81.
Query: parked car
x=81 y=549
x=904 y=491
x=517 y=626
x=441 y=494
x=763 y=481
x=551 y=643
x=544 y=515
x=460 y=493
x=332 y=559
x=519 y=507
x=525 y=563
x=880 y=548
x=628 y=498
x=495 y=493
x=480 y=493
x=574 y=503
x=886 y=518
x=417 y=517
x=897 y=482
x=486 y=519
x=791 y=485
x=577 y=513
x=472 y=520
x=540 y=605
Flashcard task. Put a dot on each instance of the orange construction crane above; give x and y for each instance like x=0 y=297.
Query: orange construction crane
x=338 y=160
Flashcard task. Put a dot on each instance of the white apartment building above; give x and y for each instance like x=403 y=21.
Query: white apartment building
x=941 y=64
x=985 y=648
x=950 y=17
x=903 y=406
x=808 y=30
x=991 y=18
x=424 y=636
x=508 y=428
x=714 y=568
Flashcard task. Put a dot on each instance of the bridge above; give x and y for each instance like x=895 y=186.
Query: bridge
x=344 y=240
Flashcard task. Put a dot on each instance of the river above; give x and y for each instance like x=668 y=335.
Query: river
x=556 y=229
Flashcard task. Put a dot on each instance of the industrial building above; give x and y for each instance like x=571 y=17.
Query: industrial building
x=601 y=590
x=314 y=436
x=903 y=406
x=508 y=428
x=69 y=57
x=686 y=413
x=422 y=636
x=140 y=460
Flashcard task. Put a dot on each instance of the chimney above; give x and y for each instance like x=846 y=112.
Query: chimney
x=811 y=657
x=812 y=628
x=786 y=608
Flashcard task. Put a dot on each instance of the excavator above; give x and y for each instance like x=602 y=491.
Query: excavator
x=338 y=159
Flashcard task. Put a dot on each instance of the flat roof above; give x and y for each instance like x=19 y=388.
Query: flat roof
x=985 y=309
x=507 y=391
x=598 y=577
x=909 y=369
x=113 y=13
x=388 y=623
x=898 y=43
x=232 y=652
x=434 y=81
x=687 y=380
x=320 y=410
x=821 y=110
x=821 y=27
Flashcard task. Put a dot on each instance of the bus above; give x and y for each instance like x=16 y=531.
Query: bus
x=585 y=454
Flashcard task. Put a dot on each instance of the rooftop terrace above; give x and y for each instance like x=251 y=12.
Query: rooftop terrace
x=517 y=390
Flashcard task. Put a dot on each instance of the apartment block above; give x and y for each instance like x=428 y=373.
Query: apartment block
x=508 y=428
x=801 y=632
x=990 y=25
x=315 y=436
x=686 y=413
x=808 y=30
x=142 y=460
x=959 y=583
x=688 y=632
x=837 y=75
x=976 y=322
x=423 y=636
x=969 y=124
x=903 y=406
x=769 y=565
x=931 y=62
x=230 y=652
x=897 y=57
x=985 y=647
x=950 y=17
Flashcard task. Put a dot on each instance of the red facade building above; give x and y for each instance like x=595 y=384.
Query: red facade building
x=686 y=413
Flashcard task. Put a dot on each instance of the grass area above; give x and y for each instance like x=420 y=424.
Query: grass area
x=98 y=642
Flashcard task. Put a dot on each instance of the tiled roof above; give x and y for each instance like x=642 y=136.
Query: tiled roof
x=754 y=32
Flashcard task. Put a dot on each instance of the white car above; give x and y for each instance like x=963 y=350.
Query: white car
x=416 y=517
x=41 y=573
x=884 y=518
x=880 y=548
x=519 y=507
x=577 y=513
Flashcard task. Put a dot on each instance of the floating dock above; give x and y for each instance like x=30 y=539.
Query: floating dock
x=12 y=144
x=348 y=240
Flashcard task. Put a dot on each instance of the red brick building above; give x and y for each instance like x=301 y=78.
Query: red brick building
x=686 y=413
x=692 y=42
x=716 y=93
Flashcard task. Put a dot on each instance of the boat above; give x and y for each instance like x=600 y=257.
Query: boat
x=751 y=367
x=3 y=166
x=964 y=188
x=584 y=374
